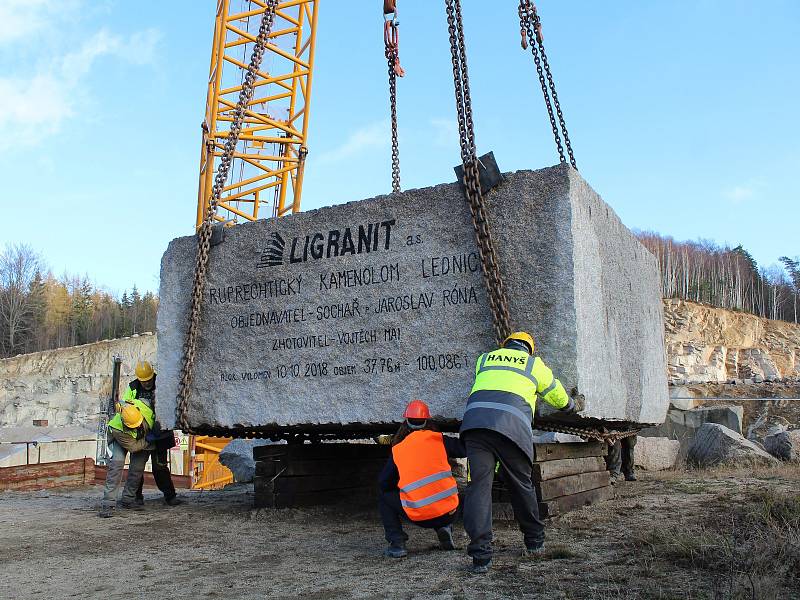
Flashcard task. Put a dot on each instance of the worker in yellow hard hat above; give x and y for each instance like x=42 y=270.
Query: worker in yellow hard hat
x=127 y=433
x=496 y=428
x=143 y=388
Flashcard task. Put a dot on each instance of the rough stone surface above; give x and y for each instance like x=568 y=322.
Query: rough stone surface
x=656 y=453
x=682 y=425
x=784 y=445
x=715 y=444
x=66 y=386
x=337 y=350
x=238 y=457
x=714 y=345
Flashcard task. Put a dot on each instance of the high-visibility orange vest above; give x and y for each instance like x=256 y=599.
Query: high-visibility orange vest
x=427 y=487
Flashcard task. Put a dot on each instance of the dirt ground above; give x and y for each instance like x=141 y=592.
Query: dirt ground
x=670 y=535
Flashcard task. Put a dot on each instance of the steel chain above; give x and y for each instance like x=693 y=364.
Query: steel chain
x=601 y=435
x=204 y=232
x=531 y=26
x=393 y=61
x=495 y=290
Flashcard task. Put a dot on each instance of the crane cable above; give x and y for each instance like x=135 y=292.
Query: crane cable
x=204 y=231
x=391 y=40
x=531 y=32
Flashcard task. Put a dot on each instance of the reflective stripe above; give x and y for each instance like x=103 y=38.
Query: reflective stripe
x=499 y=406
x=415 y=485
x=430 y=499
x=529 y=367
x=550 y=387
x=525 y=374
x=483 y=362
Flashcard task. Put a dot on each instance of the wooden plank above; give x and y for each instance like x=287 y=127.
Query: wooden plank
x=324 y=483
x=322 y=451
x=272 y=467
x=183 y=482
x=545 y=452
x=572 y=484
x=564 y=504
x=553 y=469
x=267 y=497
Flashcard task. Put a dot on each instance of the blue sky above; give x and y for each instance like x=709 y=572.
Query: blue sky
x=683 y=116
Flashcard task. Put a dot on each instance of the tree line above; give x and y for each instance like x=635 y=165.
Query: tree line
x=39 y=311
x=703 y=271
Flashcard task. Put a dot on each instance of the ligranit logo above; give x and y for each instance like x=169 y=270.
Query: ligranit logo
x=372 y=237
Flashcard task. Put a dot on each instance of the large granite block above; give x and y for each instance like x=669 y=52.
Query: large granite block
x=341 y=315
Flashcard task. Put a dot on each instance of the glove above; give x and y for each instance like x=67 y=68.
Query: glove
x=577 y=403
x=150 y=437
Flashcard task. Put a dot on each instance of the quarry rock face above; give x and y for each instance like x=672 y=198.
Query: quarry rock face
x=342 y=315
x=67 y=386
x=715 y=444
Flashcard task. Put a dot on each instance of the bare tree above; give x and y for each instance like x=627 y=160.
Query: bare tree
x=19 y=264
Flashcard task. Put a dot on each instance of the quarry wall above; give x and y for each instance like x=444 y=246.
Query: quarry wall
x=66 y=386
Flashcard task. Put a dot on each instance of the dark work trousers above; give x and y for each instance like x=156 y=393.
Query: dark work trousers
x=620 y=456
x=392 y=512
x=160 y=468
x=485 y=448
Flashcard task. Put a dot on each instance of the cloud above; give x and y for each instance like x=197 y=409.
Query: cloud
x=445 y=132
x=369 y=137
x=21 y=18
x=35 y=106
x=740 y=194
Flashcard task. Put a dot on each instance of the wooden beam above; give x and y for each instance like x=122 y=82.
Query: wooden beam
x=572 y=484
x=545 y=452
x=567 y=466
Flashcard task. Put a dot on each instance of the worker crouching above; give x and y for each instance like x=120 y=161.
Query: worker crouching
x=127 y=433
x=417 y=481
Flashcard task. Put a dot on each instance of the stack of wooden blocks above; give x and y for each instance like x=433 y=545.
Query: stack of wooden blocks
x=317 y=474
x=566 y=476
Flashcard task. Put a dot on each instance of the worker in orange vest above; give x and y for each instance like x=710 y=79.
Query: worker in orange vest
x=417 y=481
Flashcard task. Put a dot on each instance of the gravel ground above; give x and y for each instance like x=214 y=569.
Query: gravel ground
x=53 y=545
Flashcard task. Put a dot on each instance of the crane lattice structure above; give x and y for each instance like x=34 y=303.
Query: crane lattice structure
x=267 y=169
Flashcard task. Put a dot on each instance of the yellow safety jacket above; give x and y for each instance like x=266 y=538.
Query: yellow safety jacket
x=147 y=413
x=503 y=397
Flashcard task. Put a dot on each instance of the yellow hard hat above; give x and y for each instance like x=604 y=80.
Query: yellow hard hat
x=144 y=371
x=131 y=416
x=522 y=336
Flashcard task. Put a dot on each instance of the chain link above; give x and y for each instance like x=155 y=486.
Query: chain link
x=531 y=32
x=589 y=433
x=495 y=290
x=204 y=232
x=393 y=60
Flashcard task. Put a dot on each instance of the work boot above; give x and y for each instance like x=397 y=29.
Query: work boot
x=445 y=535
x=174 y=501
x=480 y=566
x=616 y=478
x=396 y=550
x=130 y=506
x=535 y=549
x=106 y=511
x=139 y=500
x=630 y=476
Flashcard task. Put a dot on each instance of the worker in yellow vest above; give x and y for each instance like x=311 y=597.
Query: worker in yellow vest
x=496 y=428
x=144 y=388
x=417 y=482
x=127 y=433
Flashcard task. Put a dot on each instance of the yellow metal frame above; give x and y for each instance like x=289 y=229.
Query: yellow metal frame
x=205 y=469
x=267 y=170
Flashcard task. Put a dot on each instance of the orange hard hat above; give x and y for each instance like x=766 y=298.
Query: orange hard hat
x=417 y=409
